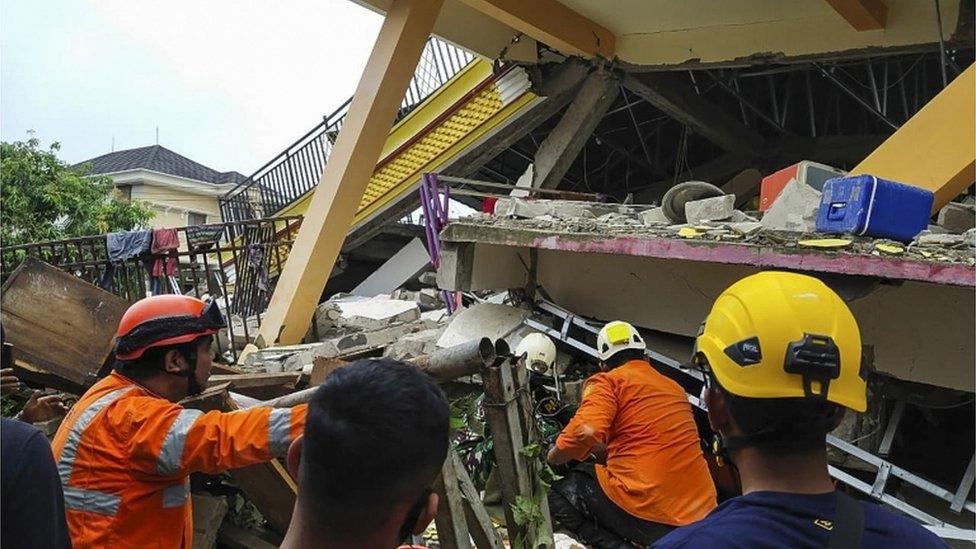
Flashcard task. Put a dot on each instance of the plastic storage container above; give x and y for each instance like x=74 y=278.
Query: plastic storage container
x=867 y=205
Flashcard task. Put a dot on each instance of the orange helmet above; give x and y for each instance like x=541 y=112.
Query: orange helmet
x=165 y=320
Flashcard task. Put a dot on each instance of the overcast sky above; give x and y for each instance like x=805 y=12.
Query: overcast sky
x=229 y=83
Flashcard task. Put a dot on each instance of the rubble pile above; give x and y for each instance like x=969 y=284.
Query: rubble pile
x=788 y=223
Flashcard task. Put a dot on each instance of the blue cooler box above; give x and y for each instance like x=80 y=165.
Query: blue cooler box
x=866 y=205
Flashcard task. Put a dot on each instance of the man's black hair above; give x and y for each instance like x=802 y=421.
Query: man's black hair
x=622 y=357
x=783 y=426
x=376 y=436
x=150 y=364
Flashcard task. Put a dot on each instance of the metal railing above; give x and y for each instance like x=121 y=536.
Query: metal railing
x=233 y=262
x=296 y=170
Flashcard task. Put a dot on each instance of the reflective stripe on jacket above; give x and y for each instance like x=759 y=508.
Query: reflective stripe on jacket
x=125 y=454
x=655 y=469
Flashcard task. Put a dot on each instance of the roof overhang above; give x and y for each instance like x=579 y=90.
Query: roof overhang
x=159 y=179
x=663 y=33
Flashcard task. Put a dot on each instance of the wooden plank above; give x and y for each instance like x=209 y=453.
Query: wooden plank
x=257 y=380
x=452 y=529
x=61 y=327
x=480 y=526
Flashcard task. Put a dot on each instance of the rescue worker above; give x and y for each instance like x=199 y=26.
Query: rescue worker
x=639 y=425
x=781 y=355
x=126 y=449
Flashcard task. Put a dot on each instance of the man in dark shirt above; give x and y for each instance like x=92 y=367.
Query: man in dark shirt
x=781 y=355
x=31 y=501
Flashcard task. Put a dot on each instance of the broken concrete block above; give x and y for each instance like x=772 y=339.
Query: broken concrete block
x=375 y=313
x=654 y=216
x=710 y=209
x=617 y=219
x=326 y=316
x=429 y=299
x=517 y=207
x=742 y=217
x=489 y=320
x=970 y=237
x=795 y=209
x=571 y=210
x=957 y=218
x=413 y=345
x=927 y=239
x=747 y=228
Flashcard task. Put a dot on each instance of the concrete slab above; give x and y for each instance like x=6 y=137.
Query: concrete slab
x=396 y=271
x=375 y=313
x=482 y=320
x=654 y=216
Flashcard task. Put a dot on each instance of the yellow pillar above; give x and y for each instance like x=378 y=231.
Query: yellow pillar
x=381 y=88
x=936 y=148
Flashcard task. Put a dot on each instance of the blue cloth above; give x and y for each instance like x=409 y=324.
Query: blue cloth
x=779 y=519
x=31 y=500
x=127 y=244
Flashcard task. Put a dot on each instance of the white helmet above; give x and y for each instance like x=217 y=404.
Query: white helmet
x=539 y=351
x=617 y=336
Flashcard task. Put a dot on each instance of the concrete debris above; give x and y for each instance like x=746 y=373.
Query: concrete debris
x=795 y=209
x=413 y=345
x=742 y=217
x=396 y=271
x=710 y=209
x=957 y=218
x=482 y=320
x=747 y=228
x=518 y=207
x=571 y=210
x=430 y=299
x=375 y=313
x=654 y=217
x=944 y=239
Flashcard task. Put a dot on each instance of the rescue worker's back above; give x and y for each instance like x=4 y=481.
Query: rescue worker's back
x=654 y=467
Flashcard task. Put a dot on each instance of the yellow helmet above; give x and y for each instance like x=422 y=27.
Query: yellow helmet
x=779 y=335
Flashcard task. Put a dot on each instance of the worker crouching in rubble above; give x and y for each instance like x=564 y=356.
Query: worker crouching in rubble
x=639 y=425
x=125 y=451
x=376 y=437
x=781 y=355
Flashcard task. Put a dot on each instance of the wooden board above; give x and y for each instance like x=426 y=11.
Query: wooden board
x=62 y=328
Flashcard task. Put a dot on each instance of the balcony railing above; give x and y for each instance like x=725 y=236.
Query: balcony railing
x=296 y=170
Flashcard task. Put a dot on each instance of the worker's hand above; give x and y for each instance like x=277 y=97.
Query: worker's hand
x=43 y=408
x=8 y=382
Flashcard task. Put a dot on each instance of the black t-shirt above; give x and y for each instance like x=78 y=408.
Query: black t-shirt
x=31 y=500
x=778 y=519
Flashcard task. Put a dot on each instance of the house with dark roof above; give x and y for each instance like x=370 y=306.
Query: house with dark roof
x=181 y=191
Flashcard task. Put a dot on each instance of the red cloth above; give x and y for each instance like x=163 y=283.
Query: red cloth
x=165 y=243
x=488 y=205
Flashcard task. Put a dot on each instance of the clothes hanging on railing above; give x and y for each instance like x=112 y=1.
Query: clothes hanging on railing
x=165 y=246
x=256 y=262
x=120 y=247
x=202 y=237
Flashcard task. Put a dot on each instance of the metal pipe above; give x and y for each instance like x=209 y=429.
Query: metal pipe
x=457 y=361
x=942 y=48
x=746 y=104
x=854 y=95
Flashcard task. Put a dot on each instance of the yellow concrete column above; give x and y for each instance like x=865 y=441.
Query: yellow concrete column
x=936 y=148
x=381 y=88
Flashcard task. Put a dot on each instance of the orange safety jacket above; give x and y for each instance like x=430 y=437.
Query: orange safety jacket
x=124 y=455
x=655 y=469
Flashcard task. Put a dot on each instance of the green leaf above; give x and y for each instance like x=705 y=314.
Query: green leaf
x=532 y=451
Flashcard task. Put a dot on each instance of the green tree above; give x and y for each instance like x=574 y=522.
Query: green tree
x=44 y=198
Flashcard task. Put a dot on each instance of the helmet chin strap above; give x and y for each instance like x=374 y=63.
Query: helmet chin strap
x=193 y=386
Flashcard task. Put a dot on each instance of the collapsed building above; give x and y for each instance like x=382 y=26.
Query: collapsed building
x=575 y=133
